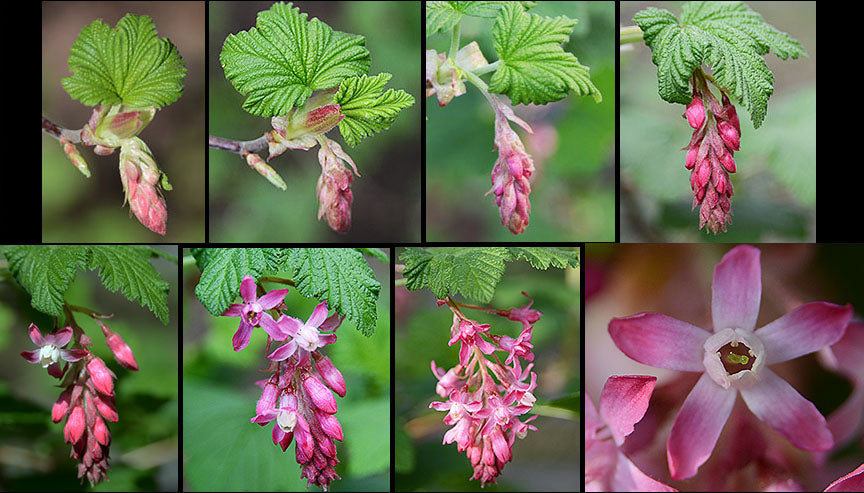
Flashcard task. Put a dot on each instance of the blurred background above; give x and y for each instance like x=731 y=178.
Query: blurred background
x=144 y=444
x=573 y=146
x=80 y=209
x=545 y=460
x=675 y=280
x=775 y=182
x=246 y=207
x=223 y=451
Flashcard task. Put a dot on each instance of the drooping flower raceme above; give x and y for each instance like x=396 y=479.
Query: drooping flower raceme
x=298 y=396
x=484 y=413
x=623 y=403
x=512 y=170
x=734 y=359
x=87 y=400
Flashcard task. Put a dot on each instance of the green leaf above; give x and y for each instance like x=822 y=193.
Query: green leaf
x=128 y=64
x=534 y=67
x=128 y=269
x=223 y=270
x=46 y=272
x=343 y=278
x=728 y=37
x=367 y=108
x=278 y=63
x=377 y=253
x=543 y=257
x=474 y=272
x=443 y=16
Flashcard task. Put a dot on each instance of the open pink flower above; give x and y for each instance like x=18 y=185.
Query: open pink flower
x=50 y=350
x=733 y=359
x=623 y=403
x=306 y=337
x=252 y=314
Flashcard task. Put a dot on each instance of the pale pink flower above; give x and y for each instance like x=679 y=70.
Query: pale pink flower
x=733 y=359
x=334 y=185
x=514 y=167
x=142 y=184
x=50 y=350
x=623 y=403
x=318 y=331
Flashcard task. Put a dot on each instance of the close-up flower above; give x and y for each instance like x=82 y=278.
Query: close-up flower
x=252 y=312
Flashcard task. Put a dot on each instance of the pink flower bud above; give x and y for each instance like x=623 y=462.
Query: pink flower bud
x=334 y=192
x=74 y=425
x=255 y=162
x=731 y=114
x=100 y=376
x=320 y=395
x=141 y=183
x=101 y=432
x=728 y=162
x=268 y=399
x=690 y=162
x=105 y=406
x=728 y=134
x=75 y=156
x=331 y=375
x=695 y=112
x=61 y=407
x=329 y=424
x=703 y=173
x=122 y=352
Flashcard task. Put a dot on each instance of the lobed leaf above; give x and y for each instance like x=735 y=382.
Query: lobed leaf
x=367 y=107
x=534 y=67
x=278 y=63
x=443 y=16
x=128 y=269
x=727 y=36
x=128 y=64
x=222 y=270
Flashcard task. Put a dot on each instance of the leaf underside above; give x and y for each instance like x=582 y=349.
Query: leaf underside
x=727 y=36
x=367 y=107
x=128 y=64
x=278 y=63
x=473 y=272
x=534 y=67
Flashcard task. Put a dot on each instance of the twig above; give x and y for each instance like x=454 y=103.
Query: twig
x=58 y=132
x=237 y=146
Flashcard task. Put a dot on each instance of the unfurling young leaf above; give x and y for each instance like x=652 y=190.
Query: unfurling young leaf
x=534 y=66
x=728 y=37
x=278 y=63
x=128 y=64
x=367 y=107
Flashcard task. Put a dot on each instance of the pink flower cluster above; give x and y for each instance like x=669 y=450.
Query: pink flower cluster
x=731 y=359
x=716 y=137
x=485 y=398
x=512 y=170
x=87 y=401
x=298 y=395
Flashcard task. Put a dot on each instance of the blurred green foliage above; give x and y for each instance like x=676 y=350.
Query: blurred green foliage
x=546 y=460
x=573 y=191
x=223 y=451
x=244 y=207
x=79 y=209
x=775 y=185
x=144 y=442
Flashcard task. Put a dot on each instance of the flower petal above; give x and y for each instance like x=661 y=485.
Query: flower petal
x=804 y=330
x=284 y=352
x=271 y=327
x=737 y=289
x=628 y=477
x=247 y=289
x=781 y=407
x=332 y=323
x=660 y=341
x=235 y=310
x=31 y=356
x=63 y=336
x=36 y=335
x=319 y=314
x=623 y=403
x=697 y=427
x=272 y=298
x=289 y=325
x=242 y=336
x=854 y=481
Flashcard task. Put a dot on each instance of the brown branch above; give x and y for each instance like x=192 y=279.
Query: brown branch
x=58 y=132
x=237 y=146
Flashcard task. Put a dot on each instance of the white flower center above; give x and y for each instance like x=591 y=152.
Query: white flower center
x=733 y=358
x=286 y=420
x=307 y=338
x=49 y=354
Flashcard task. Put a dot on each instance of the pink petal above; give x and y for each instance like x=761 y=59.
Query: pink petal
x=623 y=403
x=660 y=341
x=804 y=330
x=235 y=310
x=242 y=336
x=72 y=354
x=31 y=356
x=737 y=289
x=845 y=422
x=697 y=427
x=332 y=323
x=284 y=352
x=289 y=325
x=247 y=289
x=36 y=335
x=628 y=477
x=271 y=327
x=272 y=298
x=319 y=314
x=63 y=336
x=781 y=407
x=854 y=481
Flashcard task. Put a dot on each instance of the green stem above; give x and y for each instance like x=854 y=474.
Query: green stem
x=400 y=282
x=454 y=43
x=486 y=68
x=630 y=34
